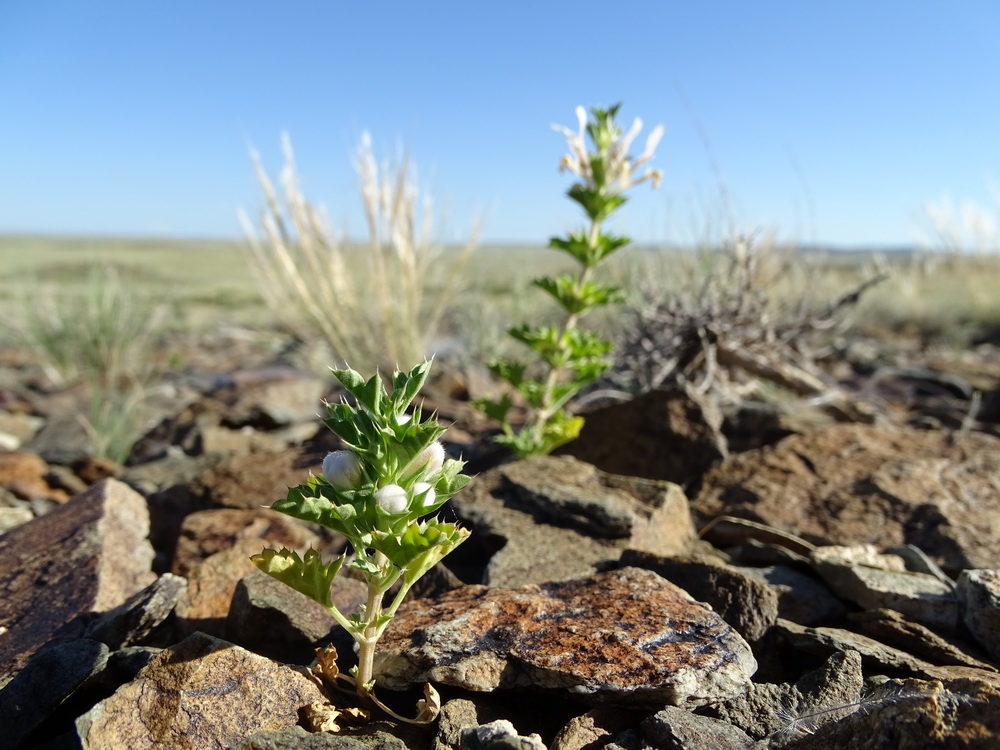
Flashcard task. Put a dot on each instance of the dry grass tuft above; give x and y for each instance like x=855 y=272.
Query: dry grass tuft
x=375 y=306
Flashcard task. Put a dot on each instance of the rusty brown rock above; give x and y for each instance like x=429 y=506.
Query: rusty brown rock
x=86 y=556
x=551 y=519
x=204 y=533
x=664 y=434
x=23 y=474
x=857 y=484
x=255 y=480
x=205 y=604
x=626 y=636
x=202 y=693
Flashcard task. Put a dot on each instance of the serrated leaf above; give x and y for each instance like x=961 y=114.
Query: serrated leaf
x=308 y=575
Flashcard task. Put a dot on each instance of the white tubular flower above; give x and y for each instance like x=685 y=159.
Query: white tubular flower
x=392 y=499
x=422 y=487
x=342 y=469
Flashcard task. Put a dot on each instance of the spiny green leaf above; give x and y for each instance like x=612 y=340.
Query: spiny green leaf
x=308 y=575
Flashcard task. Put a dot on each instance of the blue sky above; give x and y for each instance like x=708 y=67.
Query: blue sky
x=829 y=122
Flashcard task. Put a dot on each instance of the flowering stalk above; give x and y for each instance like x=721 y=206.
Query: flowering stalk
x=571 y=357
x=375 y=493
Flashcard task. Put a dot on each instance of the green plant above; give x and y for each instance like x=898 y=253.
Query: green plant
x=102 y=338
x=572 y=358
x=375 y=493
x=375 y=305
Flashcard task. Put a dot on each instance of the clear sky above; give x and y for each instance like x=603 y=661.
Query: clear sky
x=831 y=122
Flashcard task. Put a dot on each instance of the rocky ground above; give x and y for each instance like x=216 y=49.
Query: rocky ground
x=682 y=576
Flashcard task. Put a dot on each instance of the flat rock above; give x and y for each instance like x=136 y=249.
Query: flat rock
x=894 y=629
x=980 y=591
x=553 y=519
x=625 y=636
x=202 y=693
x=879 y=581
x=270 y=397
x=859 y=484
x=87 y=556
x=802 y=596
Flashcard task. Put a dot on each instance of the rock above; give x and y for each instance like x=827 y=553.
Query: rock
x=204 y=533
x=201 y=693
x=626 y=636
x=980 y=592
x=556 y=518
x=87 y=556
x=913 y=714
x=876 y=581
x=24 y=475
x=50 y=676
x=676 y=728
x=877 y=655
x=256 y=480
x=17 y=428
x=270 y=397
x=893 y=629
x=136 y=618
x=670 y=435
x=594 y=729
x=938 y=491
x=297 y=738
x=802 y=597
x=11 y=518
x=205 y=605
x=274 y=620
x=746 y=603
x=766 y=708
x=498 y=735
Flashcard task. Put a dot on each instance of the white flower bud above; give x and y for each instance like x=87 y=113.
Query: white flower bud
x=392 y=499
x=342 y=469
x=430 y=458
x=421 y=487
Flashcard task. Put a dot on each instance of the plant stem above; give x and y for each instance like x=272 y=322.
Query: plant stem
x=545 y=410
x=368 y=638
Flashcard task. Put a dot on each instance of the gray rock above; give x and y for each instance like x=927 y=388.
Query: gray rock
x=980 y=592
x=276 y=621
x=556 y=518
x=203 y=692
x=271 y=397
x=297 y=738
x=624 y=637
x=912 y=714
x=136 y=618
x=767 y=708
x=746 y=603
x=893 y=629
x=52 y=675
x=876 y=655
x=673 y=727
x=498 y=735
x=87 y=556
x=878 y=581
x=802 y=597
